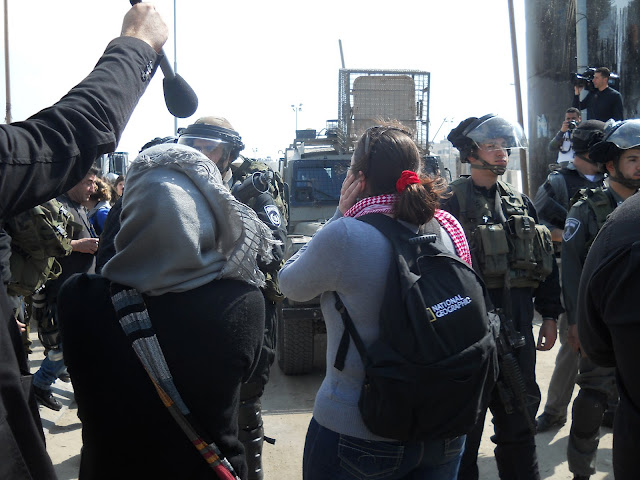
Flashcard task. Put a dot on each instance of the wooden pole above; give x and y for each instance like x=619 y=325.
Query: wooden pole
x=7 y=73
x=516 y=76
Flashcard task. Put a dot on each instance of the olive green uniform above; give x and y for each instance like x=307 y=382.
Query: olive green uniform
x=584 y=220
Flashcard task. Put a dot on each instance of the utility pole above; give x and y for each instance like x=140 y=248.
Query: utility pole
x=524 y=170
x=296 y=110
x=7 y=73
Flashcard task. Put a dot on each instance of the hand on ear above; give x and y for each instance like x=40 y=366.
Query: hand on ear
x=351 y=191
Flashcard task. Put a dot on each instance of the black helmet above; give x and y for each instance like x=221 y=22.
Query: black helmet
x=617 y=136
x=587 y=134
x=210 y=133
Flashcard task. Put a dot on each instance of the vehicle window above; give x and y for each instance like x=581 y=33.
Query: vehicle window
x=316 y=183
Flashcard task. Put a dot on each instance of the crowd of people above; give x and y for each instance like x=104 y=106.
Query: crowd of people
x=182 y=275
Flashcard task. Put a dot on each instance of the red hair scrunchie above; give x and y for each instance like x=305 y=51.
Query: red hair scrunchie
x=407 y=178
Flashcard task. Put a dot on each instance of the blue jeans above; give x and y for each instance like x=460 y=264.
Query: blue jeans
x=49 y=369
x=331 y=456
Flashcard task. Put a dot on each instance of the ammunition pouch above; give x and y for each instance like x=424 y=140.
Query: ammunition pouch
x=492 y=253
x=521 y=246
x=531 y=253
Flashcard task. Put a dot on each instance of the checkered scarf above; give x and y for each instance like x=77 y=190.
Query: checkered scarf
x=377 y=204
x=455 y=231
x=384 y=204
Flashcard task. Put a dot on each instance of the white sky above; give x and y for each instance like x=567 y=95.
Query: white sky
x=249 y=60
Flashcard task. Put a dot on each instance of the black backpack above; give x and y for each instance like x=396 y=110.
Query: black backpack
x=429 y=374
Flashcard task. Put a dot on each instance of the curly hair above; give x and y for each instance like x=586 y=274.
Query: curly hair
x=102 y=190
x=382 y=153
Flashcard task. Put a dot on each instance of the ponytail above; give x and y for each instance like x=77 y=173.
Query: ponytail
x=418 y=201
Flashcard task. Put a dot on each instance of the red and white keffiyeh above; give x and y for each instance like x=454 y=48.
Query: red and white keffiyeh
x=384 y=204
x=456 y=232
x=377 y=204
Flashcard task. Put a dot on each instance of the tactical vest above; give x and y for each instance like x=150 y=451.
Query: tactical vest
x=38 y=236
x=503 y=236
x=601 y=203
x=276 y=189
x=574 y=183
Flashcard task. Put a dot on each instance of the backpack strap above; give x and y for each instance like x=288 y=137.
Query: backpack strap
x=349 y=331
x=135 y=321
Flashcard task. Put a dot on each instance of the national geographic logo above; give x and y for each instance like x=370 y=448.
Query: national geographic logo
x=448 y=306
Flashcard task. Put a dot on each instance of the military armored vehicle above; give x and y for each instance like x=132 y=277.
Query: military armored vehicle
x=314 y=167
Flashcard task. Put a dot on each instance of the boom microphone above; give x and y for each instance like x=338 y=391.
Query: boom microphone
x=179 y=97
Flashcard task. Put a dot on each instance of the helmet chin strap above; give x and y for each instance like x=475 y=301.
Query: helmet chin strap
x=497 y=169
x=625 y=182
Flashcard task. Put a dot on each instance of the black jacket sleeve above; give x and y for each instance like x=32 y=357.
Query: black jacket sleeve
x=617 y=109
x=50 y=152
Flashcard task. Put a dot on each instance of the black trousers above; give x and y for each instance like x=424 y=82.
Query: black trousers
x=515 y=450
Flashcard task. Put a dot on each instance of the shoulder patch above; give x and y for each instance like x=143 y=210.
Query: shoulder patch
x=274 y=214
x=571 y=227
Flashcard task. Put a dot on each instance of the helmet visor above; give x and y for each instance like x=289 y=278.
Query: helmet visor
x=497 y=133
x=213 y=148
x=625 y=136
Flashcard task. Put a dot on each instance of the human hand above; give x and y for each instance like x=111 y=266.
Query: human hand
x=565 y=126
x=352 y=187
x=21 y=326
x=577 y=89
x=85 y=245
x=548 y=334
x=572 y=338
x=144 y=22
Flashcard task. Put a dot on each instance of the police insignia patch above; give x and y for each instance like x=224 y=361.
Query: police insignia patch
x=274 y=214
x=571 y=227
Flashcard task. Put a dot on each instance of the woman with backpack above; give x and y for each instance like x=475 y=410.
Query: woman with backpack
x=353 y=259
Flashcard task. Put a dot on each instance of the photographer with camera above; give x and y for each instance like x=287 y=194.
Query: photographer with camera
x=562 y=142
x=602 y=102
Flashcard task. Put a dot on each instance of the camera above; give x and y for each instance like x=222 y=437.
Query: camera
x=572 y=124
x=585 y=79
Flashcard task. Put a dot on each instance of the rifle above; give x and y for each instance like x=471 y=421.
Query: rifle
x=511 y=386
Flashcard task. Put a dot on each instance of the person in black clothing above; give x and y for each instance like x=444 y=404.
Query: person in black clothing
x=488 y=210
x=220 y=142
x=553 y=202
x=41 y=158
x=602 y=103
x=190 y=250
x=607 y=314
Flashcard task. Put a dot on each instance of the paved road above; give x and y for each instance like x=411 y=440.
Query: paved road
x=287 y=405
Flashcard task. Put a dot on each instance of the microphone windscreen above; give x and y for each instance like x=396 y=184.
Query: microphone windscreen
x=180 y=98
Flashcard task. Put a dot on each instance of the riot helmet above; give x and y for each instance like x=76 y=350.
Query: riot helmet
x=489 y=133
x=585 y=135
x=618 y=137
x=216 y=138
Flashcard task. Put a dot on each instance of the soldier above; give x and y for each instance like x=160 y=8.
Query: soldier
x=552 y=203
x=221 y=143
x=607 y=305
x=584 y=221
x=499 y=223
